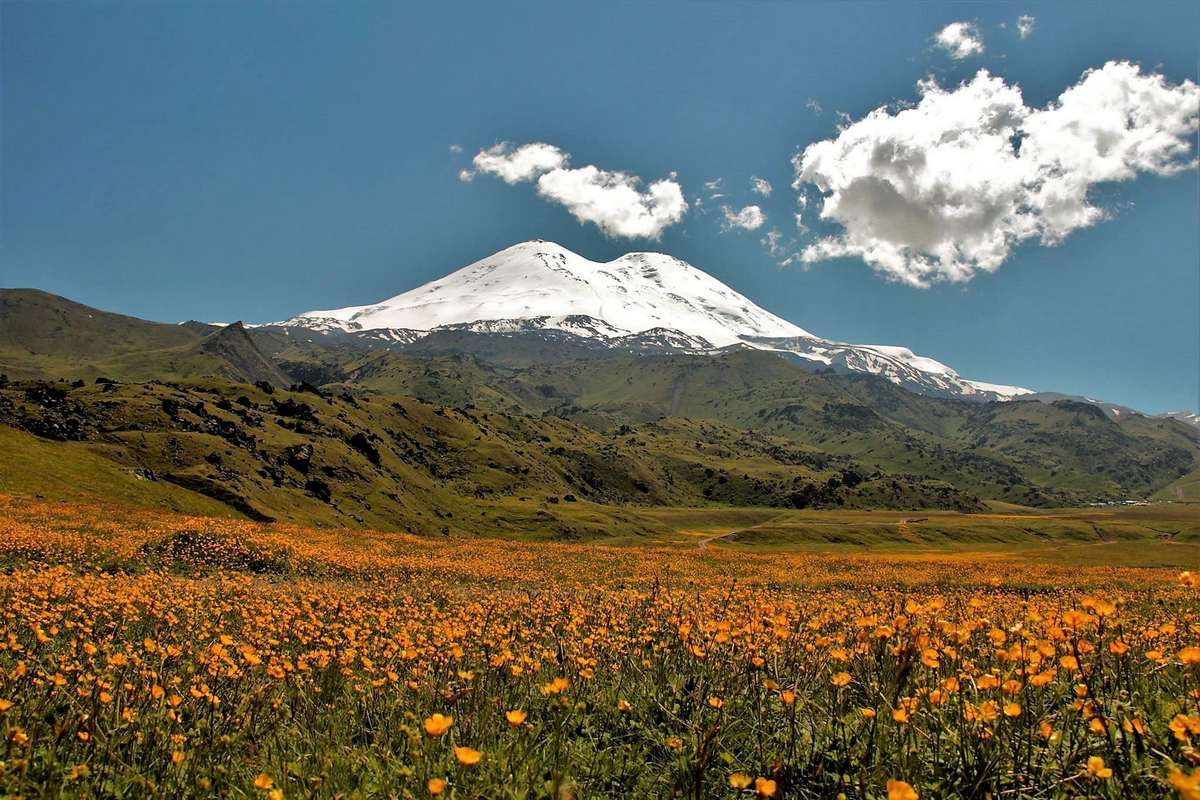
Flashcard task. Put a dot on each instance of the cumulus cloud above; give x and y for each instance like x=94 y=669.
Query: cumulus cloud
x=613 y=201
x=960 y=40
x=750 y=218
x=456 y=148
x=945 y=189
x=1025 y=24
x=513 y=164
x=466 y=175
x=761 y=185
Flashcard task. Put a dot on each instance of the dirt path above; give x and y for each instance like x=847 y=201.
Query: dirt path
x=703 y=543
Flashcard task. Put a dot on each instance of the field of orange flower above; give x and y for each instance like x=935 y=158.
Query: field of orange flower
x=146 y=653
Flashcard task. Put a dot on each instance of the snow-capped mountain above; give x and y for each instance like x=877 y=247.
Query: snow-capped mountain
x=639 y=301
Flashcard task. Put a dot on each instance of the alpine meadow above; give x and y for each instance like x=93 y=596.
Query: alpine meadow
x=414 y=401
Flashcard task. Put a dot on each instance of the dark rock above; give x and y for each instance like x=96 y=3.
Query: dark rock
x=299 y=457
x=362 y=444
x=265 y=387
x=319 y=489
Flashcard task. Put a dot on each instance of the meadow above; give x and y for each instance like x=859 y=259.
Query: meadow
x=154 y=653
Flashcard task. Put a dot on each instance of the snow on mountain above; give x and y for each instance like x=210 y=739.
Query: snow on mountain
x=640 y=300
x=632 y=294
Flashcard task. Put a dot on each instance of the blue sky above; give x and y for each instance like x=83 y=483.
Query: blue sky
x=254 y=160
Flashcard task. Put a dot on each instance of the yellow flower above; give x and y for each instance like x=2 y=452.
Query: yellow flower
x=1012 y=709
x=5 y=705
x=840 y=679
x=515 y=718
x=556 y=686
x=716 y=702
x=899 y=790
x=436 y=786
x=263 y=781
x=1096 y=768
x=740 y=780
x=467 y=756
x=624 y=706
x=438 y=724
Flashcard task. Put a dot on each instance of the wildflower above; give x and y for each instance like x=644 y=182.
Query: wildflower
x=764 y=787
x=515 y=718
x=674 y=742
x=899 y=790
x=177 y=757
x=624 y=706
x=788 y=697
x=716 y=702
x=436 y=786
x=1012 y=709
x=840 y=679
x=1188 y=786
x=740 y=780
x=556 y=686
x=5 y=705
x=263 y=781
x=467 y=756
x=438 y=724
x=1190 y=655
x=1096 y=768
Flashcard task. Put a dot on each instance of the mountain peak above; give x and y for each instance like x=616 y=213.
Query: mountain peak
x=634 y=293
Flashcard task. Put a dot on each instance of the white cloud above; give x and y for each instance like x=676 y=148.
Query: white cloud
x=1025 y=24
x=773 y=241
x=714 y=185
x=517 y=164
x=456 y=148
x=960 y=40
x=750 y=218
x=761 y=185
x=613 y=201
x=466 y=175
x=944 y=190
x=813 y=106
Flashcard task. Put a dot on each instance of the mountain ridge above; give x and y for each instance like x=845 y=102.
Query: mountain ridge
x=538 y=286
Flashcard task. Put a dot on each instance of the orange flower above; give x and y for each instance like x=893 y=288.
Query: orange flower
x=1096 y=768
x=899 y=790
x=765 y=787
x=840 y=679
x=1190 y=655
x=556 y=686
x=788 y=697
x=515 y=718
x=263 y=781
x=436 y=786
x=1012 y=709
x=438 y=724
x=1188 y=786
x=716 y=702
x=467 y=756
x=624 y=706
